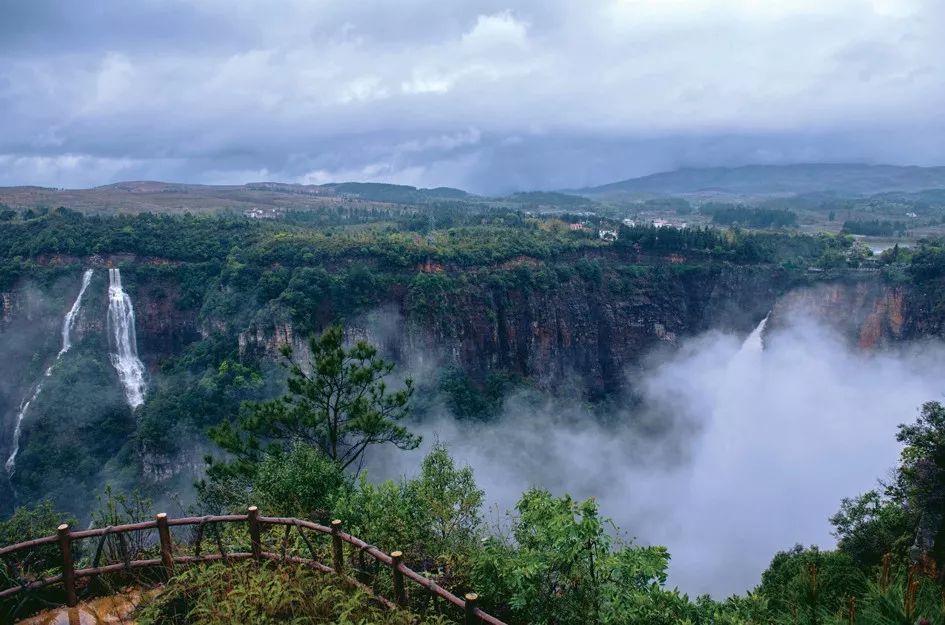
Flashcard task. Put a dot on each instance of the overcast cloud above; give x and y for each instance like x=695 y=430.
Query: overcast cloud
x=490 y=96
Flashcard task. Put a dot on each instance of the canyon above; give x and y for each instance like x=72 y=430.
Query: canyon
x=585 y=335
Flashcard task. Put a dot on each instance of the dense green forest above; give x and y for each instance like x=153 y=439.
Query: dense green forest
x=875 y=228
x=228 y=272
x=749 y=217
x=554 y=559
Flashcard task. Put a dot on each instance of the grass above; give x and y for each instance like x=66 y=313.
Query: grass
x=268 y=594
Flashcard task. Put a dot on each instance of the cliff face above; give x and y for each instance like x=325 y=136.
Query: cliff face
x=162 y=324
x=30 y=324
x=569 y=327
x=868 y=313
x=594 y=330
x=9 y=306
x=586 y=329
x=31 y=336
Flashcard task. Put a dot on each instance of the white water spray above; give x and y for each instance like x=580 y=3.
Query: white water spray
x=754 y=343
x=67 y=324
x=124 y=343
x=69 y=321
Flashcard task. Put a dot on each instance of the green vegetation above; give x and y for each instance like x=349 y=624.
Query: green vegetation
x=380 y=192
x=222 y=281
x=270 y=594
x=550 y=199
x=27 y=523
x=737 y=246
x=68 y=443
x=560 y=561
x=750 y=217
x=875 y=228
x=555 y=561
x=338 y=404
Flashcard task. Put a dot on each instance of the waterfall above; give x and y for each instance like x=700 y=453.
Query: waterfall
x=123 y=342
x=69 y=319
x=67 y=324
x=753 y=344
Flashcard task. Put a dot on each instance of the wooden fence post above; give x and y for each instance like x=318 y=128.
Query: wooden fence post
x=167 y=549
x=254 y=531
x=470 y=613
x=337 y=547
x=400 y=593
x=68 y=566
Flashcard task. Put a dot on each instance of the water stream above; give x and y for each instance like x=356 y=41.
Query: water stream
x=68 y=323
x=123 y=341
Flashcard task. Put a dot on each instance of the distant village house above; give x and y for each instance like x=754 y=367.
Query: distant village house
x=263 y=213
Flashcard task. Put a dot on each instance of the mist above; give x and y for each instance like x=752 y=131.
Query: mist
x=489 y=96
x=733 y=454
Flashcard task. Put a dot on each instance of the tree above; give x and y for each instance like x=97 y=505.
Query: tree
x=921 y=479
x=340 y=405
x=561 y=565
x=28 y=523
x=807 y=585
x=907 y=517
x=435 y=518
x=871 y=525
x=449 y=498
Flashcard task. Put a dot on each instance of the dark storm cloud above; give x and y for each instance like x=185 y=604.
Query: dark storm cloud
x=490 y=95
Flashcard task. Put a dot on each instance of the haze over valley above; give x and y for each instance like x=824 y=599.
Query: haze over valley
x=627 y=312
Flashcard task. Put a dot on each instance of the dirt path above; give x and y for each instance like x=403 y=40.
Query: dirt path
x=111 y=610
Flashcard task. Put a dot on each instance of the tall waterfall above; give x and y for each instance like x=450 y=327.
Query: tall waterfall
x=753 y=344
x=67 y=324
x=123 y=341
x=69 y=319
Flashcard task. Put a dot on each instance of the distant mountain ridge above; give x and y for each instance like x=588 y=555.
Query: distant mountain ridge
x=757 y=180
x=174 y=197
x=844 y=179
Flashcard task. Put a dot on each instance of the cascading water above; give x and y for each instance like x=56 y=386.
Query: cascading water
x=10 y=464
x=754 y=344
x=123 y=341
x=69 y=321
x=67 y=324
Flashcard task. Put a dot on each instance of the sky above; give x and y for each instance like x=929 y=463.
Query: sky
x=491 y=96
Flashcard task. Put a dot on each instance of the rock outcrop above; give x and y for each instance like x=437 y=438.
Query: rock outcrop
x=592 y=329
x=870 y=314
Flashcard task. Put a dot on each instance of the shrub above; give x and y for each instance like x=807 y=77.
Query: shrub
x=266 y=594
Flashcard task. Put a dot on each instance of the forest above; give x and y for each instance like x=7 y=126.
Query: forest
x=608 y=312
x=552 y=559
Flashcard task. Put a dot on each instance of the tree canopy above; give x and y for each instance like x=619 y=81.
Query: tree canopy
x=338 y=402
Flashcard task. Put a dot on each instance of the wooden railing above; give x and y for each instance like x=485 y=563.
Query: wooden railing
x=65 y=538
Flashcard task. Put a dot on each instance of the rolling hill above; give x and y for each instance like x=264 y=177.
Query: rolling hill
x=844 y=179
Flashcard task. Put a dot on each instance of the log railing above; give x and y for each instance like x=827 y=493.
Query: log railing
x=66 y=538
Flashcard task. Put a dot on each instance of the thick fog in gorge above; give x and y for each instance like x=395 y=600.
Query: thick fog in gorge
x=754 y=451
x=735 y=449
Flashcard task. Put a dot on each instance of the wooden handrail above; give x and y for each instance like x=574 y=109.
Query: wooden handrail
x=65 y=539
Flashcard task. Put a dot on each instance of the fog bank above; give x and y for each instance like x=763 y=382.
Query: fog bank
x=753 y=452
